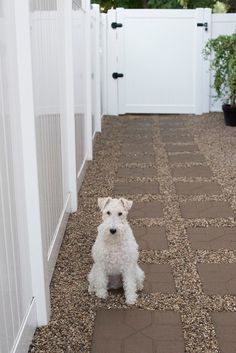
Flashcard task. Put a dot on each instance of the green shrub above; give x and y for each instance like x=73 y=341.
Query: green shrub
x=221 y=52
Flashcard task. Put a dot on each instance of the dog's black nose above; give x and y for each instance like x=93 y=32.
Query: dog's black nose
x=113 y=231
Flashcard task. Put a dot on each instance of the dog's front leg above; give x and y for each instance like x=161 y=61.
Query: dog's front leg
x=129 y=282
x=99 y=281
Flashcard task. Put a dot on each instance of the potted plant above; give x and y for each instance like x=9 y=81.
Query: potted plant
x=221 y=52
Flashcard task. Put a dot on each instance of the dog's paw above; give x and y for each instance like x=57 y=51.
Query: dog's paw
x=140 y=286
x=130 y=300
x=91 y=290
x=102 y=294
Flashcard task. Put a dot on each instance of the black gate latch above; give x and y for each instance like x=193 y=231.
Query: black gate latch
x=116 y=75
x=203 y=25
x=114 y=25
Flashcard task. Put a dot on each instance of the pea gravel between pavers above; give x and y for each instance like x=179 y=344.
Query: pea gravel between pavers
x=73 y=309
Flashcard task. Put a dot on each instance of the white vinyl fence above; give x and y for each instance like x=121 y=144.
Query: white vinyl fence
x=49 y=87
x=21 y=253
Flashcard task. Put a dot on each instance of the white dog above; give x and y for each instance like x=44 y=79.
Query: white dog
x=115 y=252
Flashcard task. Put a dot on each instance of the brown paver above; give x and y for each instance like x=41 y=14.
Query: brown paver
x=225 y=326
x=177 y=138
x=136 y=129
x=136 y=172
x=137 y=158
x=206 y=209
x=197 y=188
x=193 y=171
x=144 y=147
x=186 y=158
x=152 y=209
x=151 y=187
x=179 y=132
x=150 y=238
x=171 y=123
x=129 y=133
x=158 y=278
x=139 y=123
x=212 y=238
x=137 y=331
x=218 y=278
x=137 y=139
x=181 y=148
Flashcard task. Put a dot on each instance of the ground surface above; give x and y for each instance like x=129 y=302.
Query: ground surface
x=181 y=173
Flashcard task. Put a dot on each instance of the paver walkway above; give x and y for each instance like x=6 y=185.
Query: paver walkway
x=181 y=177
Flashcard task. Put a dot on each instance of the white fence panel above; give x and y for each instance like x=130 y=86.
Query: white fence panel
x=95 y=67
x=48 y=60
x=17 y=183
x=79 y=68
x=11 y=312
x=221 y=24
x=46 y=76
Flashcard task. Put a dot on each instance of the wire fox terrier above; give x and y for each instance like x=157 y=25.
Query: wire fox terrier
x=115 y=252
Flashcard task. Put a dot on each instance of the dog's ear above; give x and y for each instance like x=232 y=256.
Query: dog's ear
x=102 y=202
x=127 y=204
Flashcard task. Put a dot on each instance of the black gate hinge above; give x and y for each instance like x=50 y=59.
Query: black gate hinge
x=205 y=25
x=114 y=25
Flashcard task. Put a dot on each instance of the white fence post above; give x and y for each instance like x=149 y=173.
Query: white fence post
x=87 y=74
x=25 y=113
x=120 y=18
x=112 y=85
x=96 y=74
x=206 y=76
x=67 y=99
x=198 y=61
x=103 y=58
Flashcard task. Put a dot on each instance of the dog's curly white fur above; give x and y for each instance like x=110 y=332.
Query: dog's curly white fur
x=115 y=252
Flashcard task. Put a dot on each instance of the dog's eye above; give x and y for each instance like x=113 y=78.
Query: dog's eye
x=120 y=214
x=108 y=212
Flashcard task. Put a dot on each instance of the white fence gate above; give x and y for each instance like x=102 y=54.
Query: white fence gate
x=155 y=61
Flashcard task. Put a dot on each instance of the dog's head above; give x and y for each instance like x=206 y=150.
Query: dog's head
x=114 y=213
